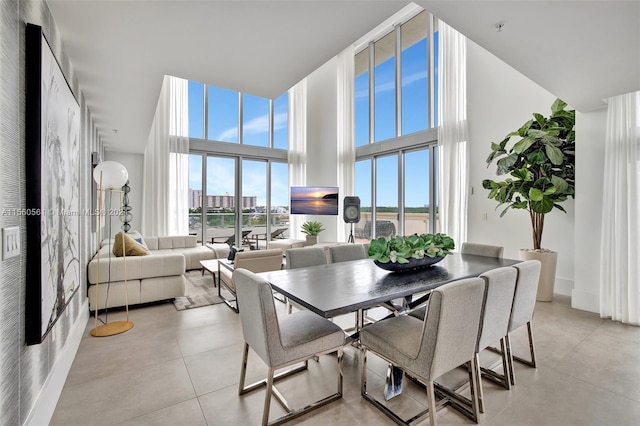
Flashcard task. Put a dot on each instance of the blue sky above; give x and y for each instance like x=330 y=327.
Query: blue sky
x=223 y=126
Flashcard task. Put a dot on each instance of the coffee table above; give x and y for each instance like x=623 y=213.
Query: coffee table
x=210 y=265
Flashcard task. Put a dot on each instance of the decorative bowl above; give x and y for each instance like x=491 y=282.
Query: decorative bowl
x=413 y=264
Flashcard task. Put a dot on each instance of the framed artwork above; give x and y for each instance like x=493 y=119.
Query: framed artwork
x=52 y=188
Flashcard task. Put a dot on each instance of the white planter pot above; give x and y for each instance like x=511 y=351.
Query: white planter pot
x=549 y=260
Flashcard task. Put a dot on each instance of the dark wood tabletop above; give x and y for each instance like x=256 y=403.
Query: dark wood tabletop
x=339 y=288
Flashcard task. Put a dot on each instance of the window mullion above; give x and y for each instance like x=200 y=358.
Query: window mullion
x=372 y=65
x=398 y=80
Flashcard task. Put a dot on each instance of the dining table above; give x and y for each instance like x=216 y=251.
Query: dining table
x=340 y=288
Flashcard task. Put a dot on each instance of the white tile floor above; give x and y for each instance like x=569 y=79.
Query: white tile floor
x=182 y=368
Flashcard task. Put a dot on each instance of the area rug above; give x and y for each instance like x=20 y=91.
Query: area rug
x=199 y=292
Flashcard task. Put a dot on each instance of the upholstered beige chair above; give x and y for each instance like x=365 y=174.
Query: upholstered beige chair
x=346 y=252
x=467 y=248
x=427 y=349
x=496 y=311
x=482 y=250
x=305 y=256
x=282 y=341
x=301 y=258
x=253 y=260
x=524 y=302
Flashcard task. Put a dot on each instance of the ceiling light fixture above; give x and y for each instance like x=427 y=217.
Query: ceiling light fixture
x=498 y=26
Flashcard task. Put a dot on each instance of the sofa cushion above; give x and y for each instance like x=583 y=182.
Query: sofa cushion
x=123 y=243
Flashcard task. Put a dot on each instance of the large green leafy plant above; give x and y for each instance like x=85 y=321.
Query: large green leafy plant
x=400 y=249
x=540 y=165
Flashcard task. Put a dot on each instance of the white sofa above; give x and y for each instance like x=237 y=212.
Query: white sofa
x=155 y=277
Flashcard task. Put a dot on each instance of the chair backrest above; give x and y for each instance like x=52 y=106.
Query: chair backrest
x=259 y=260
x=450 y=329
x=481 y=250
x=496 y=311
x=305 y=256
x=346 y=252
x=257 y=314
x=278 y=233
x=524 y=300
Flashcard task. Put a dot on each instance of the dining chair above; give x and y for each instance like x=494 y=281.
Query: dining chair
x=466 y=248
x=482 y=250
x=282 y=342
x=427 y=349
x=303 y=257
x=346 y=252
x=494 y=324
x=524 y=302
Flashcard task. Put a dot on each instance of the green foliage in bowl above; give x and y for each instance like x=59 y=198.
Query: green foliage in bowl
x=402 y=248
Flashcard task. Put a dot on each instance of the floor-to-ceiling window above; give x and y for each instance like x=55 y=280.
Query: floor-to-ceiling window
x=395 y=99
x=238 y=172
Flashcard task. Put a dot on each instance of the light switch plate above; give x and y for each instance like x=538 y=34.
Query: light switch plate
x=10 y=242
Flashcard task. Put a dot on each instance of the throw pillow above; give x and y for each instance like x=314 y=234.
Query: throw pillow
x=138 y=237
x=130 y=246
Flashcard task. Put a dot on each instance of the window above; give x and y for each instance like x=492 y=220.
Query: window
x=255 y=121
x=234 y=183
x=385 y=88
x=196 y=110
x=403 y=74
x=222 y=117
x=281 y=121
x=395 y=101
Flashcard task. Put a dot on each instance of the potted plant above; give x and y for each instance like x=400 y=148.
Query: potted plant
x=541 y=175
x=410 y=252
x=312 y=228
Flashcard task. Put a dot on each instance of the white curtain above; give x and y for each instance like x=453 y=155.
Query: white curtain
x=620 y=258
x=452 y=134
x=166 y=162
x=345 y=136
x=297 y=147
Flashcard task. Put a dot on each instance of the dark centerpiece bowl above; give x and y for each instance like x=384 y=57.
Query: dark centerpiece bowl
x=413 y=264
x=408 y=253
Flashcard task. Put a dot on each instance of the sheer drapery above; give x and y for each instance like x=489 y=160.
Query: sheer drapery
x=165 y=207
x=345 y=136
x=620 y=258
x=452 y=134
x=297 y=156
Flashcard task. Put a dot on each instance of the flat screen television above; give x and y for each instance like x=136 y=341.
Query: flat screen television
x=320 y=200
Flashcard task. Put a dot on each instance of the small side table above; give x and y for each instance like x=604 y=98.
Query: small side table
x=228 y=265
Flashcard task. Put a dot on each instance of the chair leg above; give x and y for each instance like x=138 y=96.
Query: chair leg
x=474 y=377
x=509 y=356
x=431 y=397
x=243 y=368
x=532 y=349
x=267 y=398
x=340 y=372
x=475 y=366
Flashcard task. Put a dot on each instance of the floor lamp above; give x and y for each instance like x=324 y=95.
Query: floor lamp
x=110 y=177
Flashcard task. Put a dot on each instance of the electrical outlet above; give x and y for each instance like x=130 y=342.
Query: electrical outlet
x=10 y=242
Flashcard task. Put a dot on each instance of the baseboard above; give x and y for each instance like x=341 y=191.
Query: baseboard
x=585 y=301
x=47 y=400
x=563 y=286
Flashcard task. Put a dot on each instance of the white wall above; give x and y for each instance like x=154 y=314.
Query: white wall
x=322 y=158
x=500 y=100
x=590 y=136
x=134 y=164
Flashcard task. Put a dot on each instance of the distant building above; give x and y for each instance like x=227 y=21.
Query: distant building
x=225 y=201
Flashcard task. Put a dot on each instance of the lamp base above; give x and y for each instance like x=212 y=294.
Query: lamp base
x=112 y=328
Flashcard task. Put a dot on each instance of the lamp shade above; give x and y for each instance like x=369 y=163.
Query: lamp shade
x=114 y=175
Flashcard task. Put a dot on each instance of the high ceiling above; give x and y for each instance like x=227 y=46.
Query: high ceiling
x=582 y=51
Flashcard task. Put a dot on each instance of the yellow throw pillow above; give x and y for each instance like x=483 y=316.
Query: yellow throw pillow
x=131 y=246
